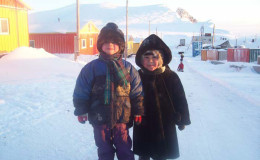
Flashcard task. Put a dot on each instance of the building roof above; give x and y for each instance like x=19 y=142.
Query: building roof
x=24 y=4
x=90 y=27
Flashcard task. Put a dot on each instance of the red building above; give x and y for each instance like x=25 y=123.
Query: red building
x=238 y=54
x=66 y=42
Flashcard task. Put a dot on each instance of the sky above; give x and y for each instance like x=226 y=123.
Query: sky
x=37 y=120
x=240 y=17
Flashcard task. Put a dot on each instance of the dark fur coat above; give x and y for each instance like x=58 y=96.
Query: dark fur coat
x=156 y=136
x=165 y=106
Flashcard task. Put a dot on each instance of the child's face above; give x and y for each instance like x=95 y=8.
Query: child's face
x=150 y=62
x=110 y=48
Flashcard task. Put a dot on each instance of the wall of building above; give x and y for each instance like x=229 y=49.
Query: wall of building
x=18 y=29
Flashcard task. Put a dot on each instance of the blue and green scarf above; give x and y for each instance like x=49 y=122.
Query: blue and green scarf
x=116 y=74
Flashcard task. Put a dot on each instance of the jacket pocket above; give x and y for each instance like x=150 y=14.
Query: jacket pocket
x=99 y=85
x=99 y=114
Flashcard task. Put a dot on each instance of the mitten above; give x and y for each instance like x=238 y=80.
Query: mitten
x=181 y=127
x=138 y=119
x=83 y=118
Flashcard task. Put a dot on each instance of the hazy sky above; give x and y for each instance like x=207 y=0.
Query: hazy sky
x=238 y=16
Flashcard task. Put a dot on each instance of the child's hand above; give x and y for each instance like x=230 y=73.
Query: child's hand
x=138 y=119
x=181 y=127
x=83 y=118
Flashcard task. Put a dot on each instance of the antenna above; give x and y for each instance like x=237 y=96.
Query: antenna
x=213 y=36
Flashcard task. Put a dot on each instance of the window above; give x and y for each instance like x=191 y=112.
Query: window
x=32 y=43
x=4 y=26
x=83 y=43
x=91 y=42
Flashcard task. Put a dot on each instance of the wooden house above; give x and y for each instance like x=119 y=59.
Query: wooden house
x=56 y=42
x=130 y=45
x=13 y=25
x=133 y=45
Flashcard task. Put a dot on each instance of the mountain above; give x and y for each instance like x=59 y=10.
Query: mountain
x=164 y=21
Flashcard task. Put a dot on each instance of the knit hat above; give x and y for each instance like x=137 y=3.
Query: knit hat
x=153 y=42
x=111 y=33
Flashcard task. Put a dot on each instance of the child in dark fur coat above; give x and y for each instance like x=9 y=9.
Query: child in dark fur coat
x=165 y=103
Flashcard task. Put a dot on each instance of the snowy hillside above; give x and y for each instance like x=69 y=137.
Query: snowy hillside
x=166 y=21
x=37 y=121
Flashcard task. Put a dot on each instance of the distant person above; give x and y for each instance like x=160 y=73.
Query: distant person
x=108 y=93
x=180 y=67
x=165 y=103
x=182 y=56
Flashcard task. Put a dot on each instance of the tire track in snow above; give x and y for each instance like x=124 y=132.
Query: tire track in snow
x=217 y=115
x=229 y=87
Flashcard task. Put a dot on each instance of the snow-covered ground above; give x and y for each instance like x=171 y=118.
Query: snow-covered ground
x=37 y=121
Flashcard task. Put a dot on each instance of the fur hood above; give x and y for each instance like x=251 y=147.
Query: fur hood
x=153 y=42
x=111 y=33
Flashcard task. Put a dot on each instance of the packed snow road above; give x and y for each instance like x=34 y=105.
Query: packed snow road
x=224 y=126
x=37 y=121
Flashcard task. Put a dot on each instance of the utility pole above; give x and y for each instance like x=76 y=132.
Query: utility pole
x=201 y=32
x=126 y=46
x=236 y=42
x=76 y=54
x=213 y=37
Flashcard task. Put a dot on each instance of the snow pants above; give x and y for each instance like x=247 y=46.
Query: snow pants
x=110 y=141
